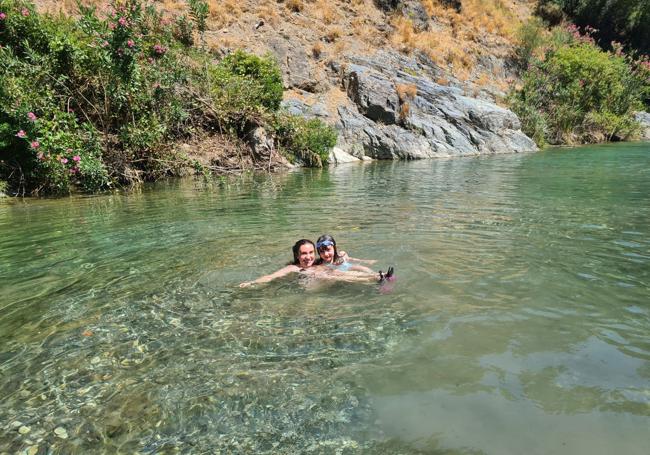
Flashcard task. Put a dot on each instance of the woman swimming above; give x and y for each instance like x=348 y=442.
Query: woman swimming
x=304 y=262
x=304 y=256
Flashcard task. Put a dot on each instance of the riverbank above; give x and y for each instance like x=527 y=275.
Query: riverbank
x=142 y=91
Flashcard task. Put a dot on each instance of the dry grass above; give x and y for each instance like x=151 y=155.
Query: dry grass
x=442 y=80
x=459 y=38
x=327 y=12
x=294 y=5
x=405 y=35
x=483 y=80
x=222 y=12
x=269 y=12
x=66 y=6
x=333 y=34
x=404 y=110
x=176 y=7
x=340 y=47
x=317 y=49
x=406 y=91
x=366 y=31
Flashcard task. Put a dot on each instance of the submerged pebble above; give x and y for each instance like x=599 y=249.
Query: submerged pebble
x=61 y=432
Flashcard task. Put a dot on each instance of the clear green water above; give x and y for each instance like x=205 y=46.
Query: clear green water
x=520 y=320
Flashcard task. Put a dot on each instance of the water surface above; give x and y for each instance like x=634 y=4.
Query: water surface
x=518 y=324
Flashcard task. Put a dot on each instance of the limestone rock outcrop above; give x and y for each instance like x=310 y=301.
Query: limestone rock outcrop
x=398 y=114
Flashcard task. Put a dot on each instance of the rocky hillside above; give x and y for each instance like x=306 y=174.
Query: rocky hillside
x=399 y=78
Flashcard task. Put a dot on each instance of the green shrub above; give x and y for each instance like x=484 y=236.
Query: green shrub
x=624 y=21
x=112 y=84
x=99 y=100
x=308 y=141
x=579 y=93
x=199 y=10
x=530 y=38
x=243 y=82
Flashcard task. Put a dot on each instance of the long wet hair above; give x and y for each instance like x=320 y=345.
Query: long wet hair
x=296 y=249
x=327 y=238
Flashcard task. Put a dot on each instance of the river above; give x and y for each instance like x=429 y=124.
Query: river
x=519 y=321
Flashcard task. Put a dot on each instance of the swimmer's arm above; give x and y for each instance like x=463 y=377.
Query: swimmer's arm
x=266 y=278
x=346 y=258
x=362 y=261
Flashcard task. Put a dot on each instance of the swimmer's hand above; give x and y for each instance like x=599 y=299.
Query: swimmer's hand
x=246 y=284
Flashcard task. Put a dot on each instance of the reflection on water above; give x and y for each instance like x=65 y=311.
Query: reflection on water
x=518 y=324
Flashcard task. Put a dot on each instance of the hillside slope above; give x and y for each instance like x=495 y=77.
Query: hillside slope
x=459 y=50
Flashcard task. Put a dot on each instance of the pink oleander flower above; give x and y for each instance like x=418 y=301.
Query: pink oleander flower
x=76 y=158
x=104 y=43
x=24 y=12
x=159 y=49
x=150 y=60
x=130 y=43
x=74 y=170
x=35 y=145
x=21 y=134
x=3 y=16
x=31 y=116
x=40 y=156
x=111 y=26
x=122 y=21
x=64 y=160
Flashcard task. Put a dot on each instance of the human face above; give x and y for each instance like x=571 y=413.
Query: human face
x=327 y=253
x=306 y=255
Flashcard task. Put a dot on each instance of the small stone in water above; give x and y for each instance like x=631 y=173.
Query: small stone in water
x=16 y=424
x=60 y=432
x=24 y=430
x=33 y=450
x=95 y=360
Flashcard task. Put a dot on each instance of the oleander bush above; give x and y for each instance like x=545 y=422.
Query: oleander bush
x=98 y=101
x=574 y=92
x=624 y=21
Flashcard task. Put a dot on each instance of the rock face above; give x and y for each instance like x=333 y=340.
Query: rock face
x=398 y=114
x=411 y=9
x=294 y=62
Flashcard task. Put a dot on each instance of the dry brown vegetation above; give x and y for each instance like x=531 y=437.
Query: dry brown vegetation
x=454 y=40
x=294 y=5
x=406 y=91
x=458 y=38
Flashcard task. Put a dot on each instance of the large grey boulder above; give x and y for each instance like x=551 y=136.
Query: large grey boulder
x=374 y=94
x=297 y=71
x=398 y=115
